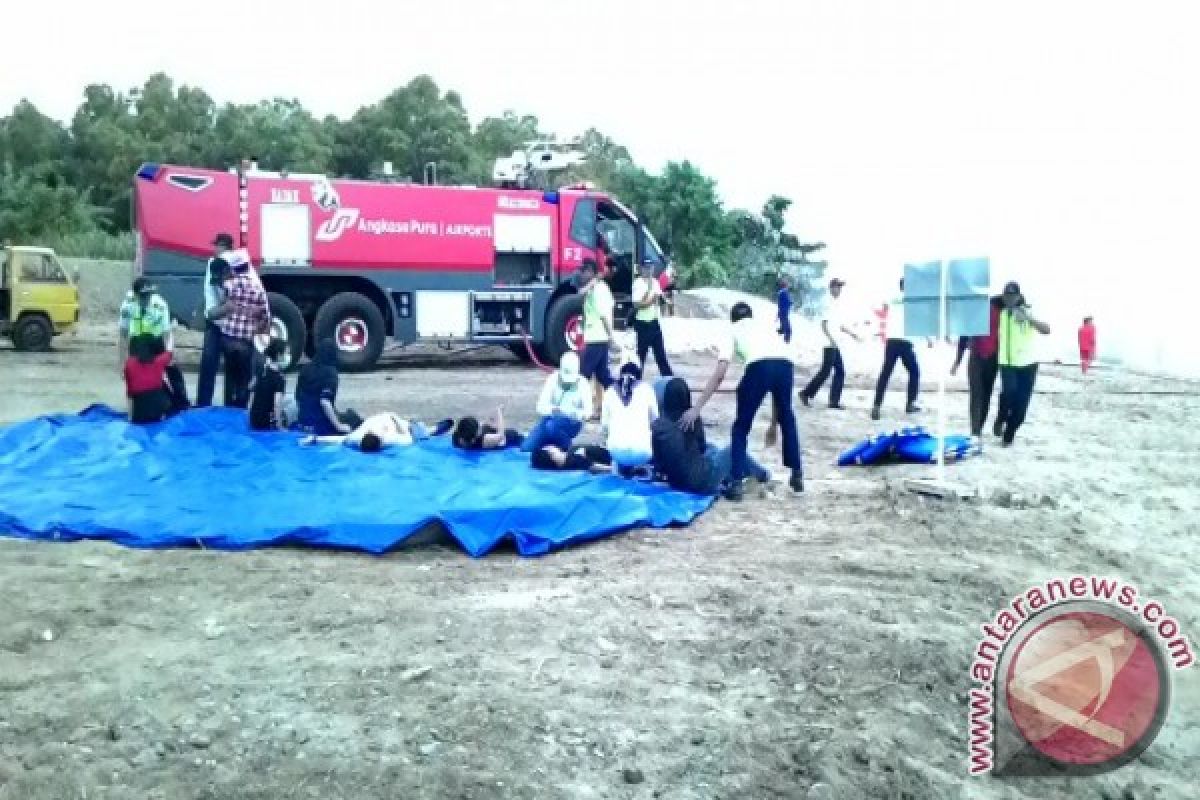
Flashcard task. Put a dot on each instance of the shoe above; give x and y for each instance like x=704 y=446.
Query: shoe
x=836 y=407
x=806 y=400
x=912 y=408
x=875 y=413
x=763 y=477
x=998 y=427
x=1005 y=443
x=443 y=427
x=735 y=492
x=797 y=481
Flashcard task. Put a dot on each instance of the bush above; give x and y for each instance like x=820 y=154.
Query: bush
x=92 y=244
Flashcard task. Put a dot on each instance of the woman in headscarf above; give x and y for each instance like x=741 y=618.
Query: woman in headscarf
x=316 y=395
x=628 y=412
x=685 y=458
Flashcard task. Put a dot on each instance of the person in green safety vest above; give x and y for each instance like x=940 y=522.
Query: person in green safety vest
x=1018 y=331
x=143 y=313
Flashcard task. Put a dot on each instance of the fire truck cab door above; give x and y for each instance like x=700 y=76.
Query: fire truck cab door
x=286 y=235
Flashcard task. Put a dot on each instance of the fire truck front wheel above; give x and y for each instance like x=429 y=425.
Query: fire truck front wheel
x=564 y=327
x=356 y=325
x=287 y=323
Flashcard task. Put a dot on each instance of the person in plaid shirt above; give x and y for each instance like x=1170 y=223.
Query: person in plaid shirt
x=242 y=314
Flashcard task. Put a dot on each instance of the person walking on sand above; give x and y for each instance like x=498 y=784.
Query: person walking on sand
x=835 y=326
x=1087 y=344
x=897 y=348
x=1017 y=332
x=769 y=371
x=982 y=368
x=783 y=304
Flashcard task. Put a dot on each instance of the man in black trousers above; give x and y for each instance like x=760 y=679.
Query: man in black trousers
x=769 y=370
x=833 y=324
x=898 y=348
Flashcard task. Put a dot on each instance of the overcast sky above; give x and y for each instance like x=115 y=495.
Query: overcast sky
x=1057 y=137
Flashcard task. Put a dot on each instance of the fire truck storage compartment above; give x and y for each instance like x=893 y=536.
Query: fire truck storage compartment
x=523 y=243
x=501 y=314
x=286 y=235
x=442 y=315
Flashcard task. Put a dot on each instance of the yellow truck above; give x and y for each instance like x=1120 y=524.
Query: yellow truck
x=38 y=301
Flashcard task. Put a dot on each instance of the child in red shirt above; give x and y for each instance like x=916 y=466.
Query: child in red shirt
x=1087 y=344
x=152 y=396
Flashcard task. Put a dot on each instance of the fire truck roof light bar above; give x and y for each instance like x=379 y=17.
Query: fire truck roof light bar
x=149 y=172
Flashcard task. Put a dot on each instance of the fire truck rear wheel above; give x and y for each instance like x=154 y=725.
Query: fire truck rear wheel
x=355 y=323
x=563 y=312
x=287 y=323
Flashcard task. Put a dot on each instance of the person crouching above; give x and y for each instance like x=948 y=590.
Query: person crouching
x=153 y=386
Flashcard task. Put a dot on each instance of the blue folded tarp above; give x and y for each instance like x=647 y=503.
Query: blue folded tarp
x=203 y=479
x=913 y=445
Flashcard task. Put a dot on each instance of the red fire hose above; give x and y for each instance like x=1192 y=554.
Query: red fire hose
x=532 y=355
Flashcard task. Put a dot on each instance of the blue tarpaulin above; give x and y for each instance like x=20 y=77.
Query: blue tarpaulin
x=202 y=478
x=914 y=445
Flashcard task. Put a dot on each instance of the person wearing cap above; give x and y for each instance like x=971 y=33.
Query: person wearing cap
x=564 y=405
x=242 y=315
x=598 y=336
x=783 y=303
x=897 y=348
x=835 y=326
x=211 y=354
x=1017 y=334
x=647 y=295
x=143 y=313
x=769 y=371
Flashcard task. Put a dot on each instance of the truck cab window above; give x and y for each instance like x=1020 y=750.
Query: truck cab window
x=41 y=268
x=583 y=223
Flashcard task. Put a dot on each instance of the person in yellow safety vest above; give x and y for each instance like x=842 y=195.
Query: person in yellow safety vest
x=1017 y=331
x=143 y=313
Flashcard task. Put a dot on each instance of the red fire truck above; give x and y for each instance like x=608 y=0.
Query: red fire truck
x=359 y=261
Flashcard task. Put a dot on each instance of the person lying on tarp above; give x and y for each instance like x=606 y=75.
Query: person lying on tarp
x=589 y=458
x=316 y=396
x=684 y=457
x=153 y=385
x=470 y=435
x=380 y=431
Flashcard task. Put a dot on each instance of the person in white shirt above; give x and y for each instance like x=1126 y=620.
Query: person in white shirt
x=647 y=293
x=564 y=405
x=898 y=348
x=769 y=370
x=835 y=327
x=630 y=409
x=380 y=431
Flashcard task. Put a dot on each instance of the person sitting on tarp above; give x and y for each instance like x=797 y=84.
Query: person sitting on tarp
x=380 y=431
x=628 y=412
x=589 y=458
x=316 y=396
x=684 y=457
x=564 y=405
x=470 y=435
x=267 y=403
x=153 y=394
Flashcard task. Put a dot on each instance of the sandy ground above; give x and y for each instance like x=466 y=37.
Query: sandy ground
x=792 y=646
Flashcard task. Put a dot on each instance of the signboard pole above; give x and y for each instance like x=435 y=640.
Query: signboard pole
x=943 y=269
